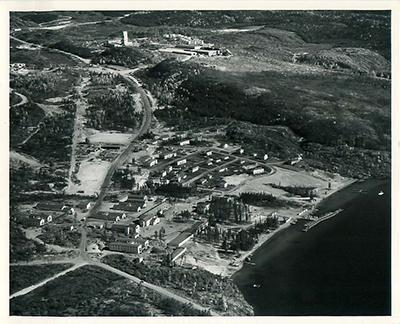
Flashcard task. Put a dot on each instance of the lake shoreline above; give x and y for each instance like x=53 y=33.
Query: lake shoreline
x=265 y=238
x=286 y=255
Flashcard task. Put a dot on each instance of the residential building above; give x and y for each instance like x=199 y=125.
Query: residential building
x=202 y=181
x=178 y=253
x=185 y=142
x=197 y=227
x=155 y=220
x=145 y=220
x=51 y=206
x=222 y=184
x=33 y=221
x=128 y=247
x=168 y=155
x=109 y=216
x=139 y=196
x=85 y=205
x=203 y=207
x=121 y=228
x=130 y=205
x=152 y=162
x=181 y=162
x=258 y=171
x=143 y=242
x=181 y=239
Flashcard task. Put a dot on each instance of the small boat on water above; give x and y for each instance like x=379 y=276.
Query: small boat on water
x=381 y=193
x=256 y=286
x=250 y=263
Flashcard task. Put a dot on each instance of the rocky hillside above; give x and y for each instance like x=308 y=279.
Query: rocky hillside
x=355 y=59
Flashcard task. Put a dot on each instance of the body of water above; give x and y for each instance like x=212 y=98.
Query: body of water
x=340 y=267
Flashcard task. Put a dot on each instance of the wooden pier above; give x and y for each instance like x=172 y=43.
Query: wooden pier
x=320 y=220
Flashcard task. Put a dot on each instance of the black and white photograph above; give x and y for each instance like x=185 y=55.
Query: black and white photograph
x=200 y=163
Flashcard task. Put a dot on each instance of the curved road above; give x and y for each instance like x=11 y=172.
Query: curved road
x=23 y=101
x=81 y=59
x=144 y=127
x=84 y=258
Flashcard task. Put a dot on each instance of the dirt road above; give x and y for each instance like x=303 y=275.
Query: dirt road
x=160 y=290
x=23 y=101
x=27 y=290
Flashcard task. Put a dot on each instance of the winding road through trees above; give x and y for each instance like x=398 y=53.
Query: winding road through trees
x=84 y=258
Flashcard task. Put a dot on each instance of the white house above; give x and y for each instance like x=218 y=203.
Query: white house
x=181 y=162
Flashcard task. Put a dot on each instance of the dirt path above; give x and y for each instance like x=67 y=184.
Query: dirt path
x=84 y=258
x=42 y=283
x=81 y=59
x=160 y=290
x=32 y=134
x=23 y=101
x=81 y=106
x=15 y=156
x=43 y=262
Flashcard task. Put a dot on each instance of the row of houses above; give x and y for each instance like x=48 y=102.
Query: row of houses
x=241 y=151
x=114 y=217
x=36 y=220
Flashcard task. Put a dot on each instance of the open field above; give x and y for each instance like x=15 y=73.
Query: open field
x=91 y=176
x=110 y=138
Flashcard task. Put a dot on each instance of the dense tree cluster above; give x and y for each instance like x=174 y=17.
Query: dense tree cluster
x=303 y=191
x=24 y=276
x=199 y=284
x=52 y=142
x=59 y=235
x=40 y=86
x=22 y=119
x=175 y=190
x=68 y=46
x=21 y=248
x=262 y=199
x=113 y=110
x=125 y=56
x=92 y=291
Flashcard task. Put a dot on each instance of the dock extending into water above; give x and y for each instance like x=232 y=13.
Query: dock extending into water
x=320 y=220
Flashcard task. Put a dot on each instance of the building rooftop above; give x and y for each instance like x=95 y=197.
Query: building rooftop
x=146 y=217
x=177 y=253
x=180 y=238
x=128 y=205
x=55 y=206
x=110 y=216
